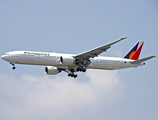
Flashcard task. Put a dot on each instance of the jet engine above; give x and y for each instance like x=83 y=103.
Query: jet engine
x=66 y=60
x=51 y=70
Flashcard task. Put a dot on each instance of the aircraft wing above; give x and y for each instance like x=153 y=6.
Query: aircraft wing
x=95 y=52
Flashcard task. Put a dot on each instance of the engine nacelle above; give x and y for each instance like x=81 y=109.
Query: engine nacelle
x=51 y=70
x=66 y=60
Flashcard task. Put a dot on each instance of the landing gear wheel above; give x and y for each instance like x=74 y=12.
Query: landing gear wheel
x=72 y=75
x=79 y=69
x=14 y=68
x=75 y=76
x=69 y=74
x=84 y=70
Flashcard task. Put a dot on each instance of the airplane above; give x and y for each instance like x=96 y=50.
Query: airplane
x=72 y=63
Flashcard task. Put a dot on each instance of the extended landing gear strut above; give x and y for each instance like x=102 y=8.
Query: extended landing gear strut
x=13 y=66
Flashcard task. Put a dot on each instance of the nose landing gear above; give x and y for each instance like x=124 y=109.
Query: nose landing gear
x=13 y=66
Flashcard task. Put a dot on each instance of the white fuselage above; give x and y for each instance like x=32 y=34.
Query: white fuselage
x=53 y=59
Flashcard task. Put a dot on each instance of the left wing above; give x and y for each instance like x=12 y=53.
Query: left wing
x=95 y=52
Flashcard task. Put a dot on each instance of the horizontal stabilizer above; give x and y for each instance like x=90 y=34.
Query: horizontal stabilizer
x=142 y=60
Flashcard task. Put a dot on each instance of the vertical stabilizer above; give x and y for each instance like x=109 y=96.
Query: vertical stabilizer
x=134 y=53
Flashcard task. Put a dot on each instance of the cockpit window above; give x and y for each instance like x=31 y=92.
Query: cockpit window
x=7 y=54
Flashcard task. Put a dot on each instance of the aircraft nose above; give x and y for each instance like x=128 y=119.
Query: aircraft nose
x=4 y=57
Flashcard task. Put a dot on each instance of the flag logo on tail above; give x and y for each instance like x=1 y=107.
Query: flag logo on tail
x=134 y=53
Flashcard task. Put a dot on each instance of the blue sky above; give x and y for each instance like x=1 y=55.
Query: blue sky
x=75 y=27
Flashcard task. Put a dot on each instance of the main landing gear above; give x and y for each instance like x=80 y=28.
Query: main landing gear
x=72 y=75
x=13 y=66
x=81 y=69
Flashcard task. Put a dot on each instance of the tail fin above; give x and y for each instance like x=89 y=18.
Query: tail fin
x=134 y=53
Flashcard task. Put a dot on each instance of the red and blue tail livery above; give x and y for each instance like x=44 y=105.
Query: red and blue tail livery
x=134 y=53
